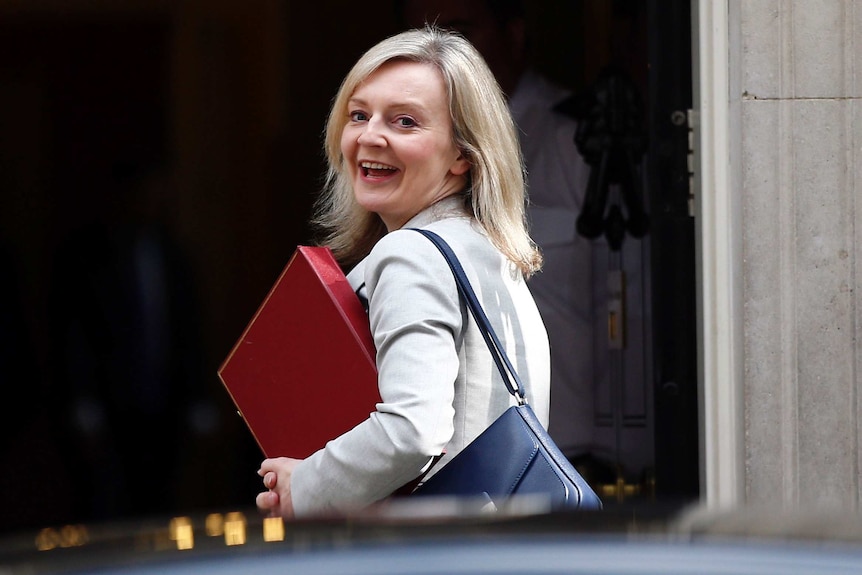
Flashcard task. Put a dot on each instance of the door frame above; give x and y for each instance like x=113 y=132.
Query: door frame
x=718 y=237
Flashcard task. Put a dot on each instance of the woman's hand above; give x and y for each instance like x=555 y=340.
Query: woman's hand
x=276 y=474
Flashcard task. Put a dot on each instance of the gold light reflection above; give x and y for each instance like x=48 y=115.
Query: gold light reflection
x=47 y=539
x=73 y=535
x=182 y=532
x=66 y=536
x=214 y=525
x=273 y=529
x=234 y=528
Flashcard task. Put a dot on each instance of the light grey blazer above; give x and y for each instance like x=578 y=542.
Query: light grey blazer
x=438 y=383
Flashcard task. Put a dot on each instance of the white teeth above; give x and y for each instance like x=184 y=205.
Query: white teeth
x=375 y=166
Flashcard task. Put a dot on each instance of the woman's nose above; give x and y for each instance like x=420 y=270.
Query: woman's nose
x=372 y=134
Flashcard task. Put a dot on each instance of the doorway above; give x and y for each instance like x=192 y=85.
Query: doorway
x=645 y=414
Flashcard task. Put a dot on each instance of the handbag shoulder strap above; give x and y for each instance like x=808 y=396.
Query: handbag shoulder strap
x=510 y=376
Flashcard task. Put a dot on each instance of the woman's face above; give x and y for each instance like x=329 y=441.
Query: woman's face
x=398 y=143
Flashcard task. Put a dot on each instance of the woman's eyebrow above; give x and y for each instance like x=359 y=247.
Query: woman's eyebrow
x=402 y=104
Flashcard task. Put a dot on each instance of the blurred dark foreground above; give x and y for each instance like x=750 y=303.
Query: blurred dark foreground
x=452 y=537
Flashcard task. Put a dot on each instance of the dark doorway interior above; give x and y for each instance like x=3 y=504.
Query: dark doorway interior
x=673 y=275
x=646 y=413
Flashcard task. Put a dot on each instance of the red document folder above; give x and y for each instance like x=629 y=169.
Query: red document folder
x=303 y=371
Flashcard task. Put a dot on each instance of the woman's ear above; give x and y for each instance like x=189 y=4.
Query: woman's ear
x=460 y=166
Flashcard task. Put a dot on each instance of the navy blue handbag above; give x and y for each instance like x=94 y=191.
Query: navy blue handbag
x=515 y=455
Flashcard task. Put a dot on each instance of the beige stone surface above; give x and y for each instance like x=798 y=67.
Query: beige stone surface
x=799 y=125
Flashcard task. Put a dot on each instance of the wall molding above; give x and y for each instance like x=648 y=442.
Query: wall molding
x=718 y=235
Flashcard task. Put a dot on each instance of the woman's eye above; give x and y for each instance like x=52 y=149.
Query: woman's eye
x=358 y=116
x=406 y=122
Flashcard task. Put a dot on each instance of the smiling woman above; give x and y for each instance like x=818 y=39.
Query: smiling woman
x=419 y=136
x=398 y=146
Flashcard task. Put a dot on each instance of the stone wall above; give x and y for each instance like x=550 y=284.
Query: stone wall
x=796 y=136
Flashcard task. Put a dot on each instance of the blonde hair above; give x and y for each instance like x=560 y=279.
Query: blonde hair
x=484 y=132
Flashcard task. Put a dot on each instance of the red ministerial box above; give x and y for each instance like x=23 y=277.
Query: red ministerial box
x=303 y=371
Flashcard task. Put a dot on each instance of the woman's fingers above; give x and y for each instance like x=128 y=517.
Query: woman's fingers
x=275 y=473
x=267 y=500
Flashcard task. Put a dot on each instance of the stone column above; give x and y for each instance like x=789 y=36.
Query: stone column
x=795 y=127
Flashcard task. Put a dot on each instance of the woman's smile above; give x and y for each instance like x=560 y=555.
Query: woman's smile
x=376 y=170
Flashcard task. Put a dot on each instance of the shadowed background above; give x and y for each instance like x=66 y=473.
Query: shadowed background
x=158 y=161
